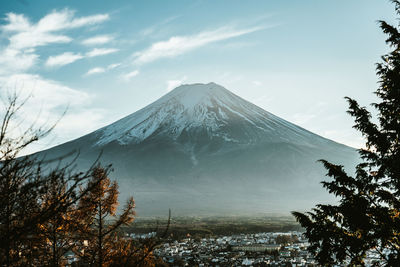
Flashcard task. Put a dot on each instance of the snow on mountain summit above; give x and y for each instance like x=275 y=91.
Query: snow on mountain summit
x=196 y=94
x=195 y=109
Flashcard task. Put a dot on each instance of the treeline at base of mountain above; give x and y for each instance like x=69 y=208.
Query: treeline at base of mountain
x=197 y=227
x=50 y=213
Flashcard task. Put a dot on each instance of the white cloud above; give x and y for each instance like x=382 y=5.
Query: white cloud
x=64 y=19
x=157 y=28
x=24 y=36
x=178 y=45
x=44 y=91
x=63 y=59
x=69 y=57
x=101 y=52
x=128 y=76
x=14 y=60
x=97 y=40
x=95 y=71
x=16 y=22
x=89 y=20
x=34 y=39
x=47 y=100
x=113 y=66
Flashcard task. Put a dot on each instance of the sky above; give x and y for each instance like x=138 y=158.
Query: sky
x=85 y=64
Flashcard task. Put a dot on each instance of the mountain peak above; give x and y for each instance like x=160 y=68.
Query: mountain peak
x=202 y=111
x=191 y=95
x=199 y=87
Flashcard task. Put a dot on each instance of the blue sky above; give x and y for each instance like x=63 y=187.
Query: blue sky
x=103 y=60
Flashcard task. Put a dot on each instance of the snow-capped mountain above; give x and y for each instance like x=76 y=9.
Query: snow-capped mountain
x=201 y=149
x=203 y=107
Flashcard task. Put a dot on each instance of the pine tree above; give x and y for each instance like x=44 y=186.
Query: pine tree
x=99 y=220
x=367 y=216
x=26 y=184
x=54 y=236
x=136 y=254
x=19 y=184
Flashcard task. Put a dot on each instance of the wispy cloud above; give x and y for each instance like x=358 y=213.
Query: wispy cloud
x=113 y=66
x=128 y=76
x=178 y=45
x=157 y=28
x=69 y=57
x=46 y=30
x=25 y=36
x=98 y=70
x=87 y=21
x=63 y=59
x=41 y=90
x=97 y=40
x=101 y=52
x=95 y=71
x=14 y=60
x=16 y=23
x=30 y=39
x=48 y=97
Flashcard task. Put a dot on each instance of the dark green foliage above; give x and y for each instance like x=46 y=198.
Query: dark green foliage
x=367 y=217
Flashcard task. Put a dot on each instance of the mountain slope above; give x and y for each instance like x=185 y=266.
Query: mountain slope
x=200 y=149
